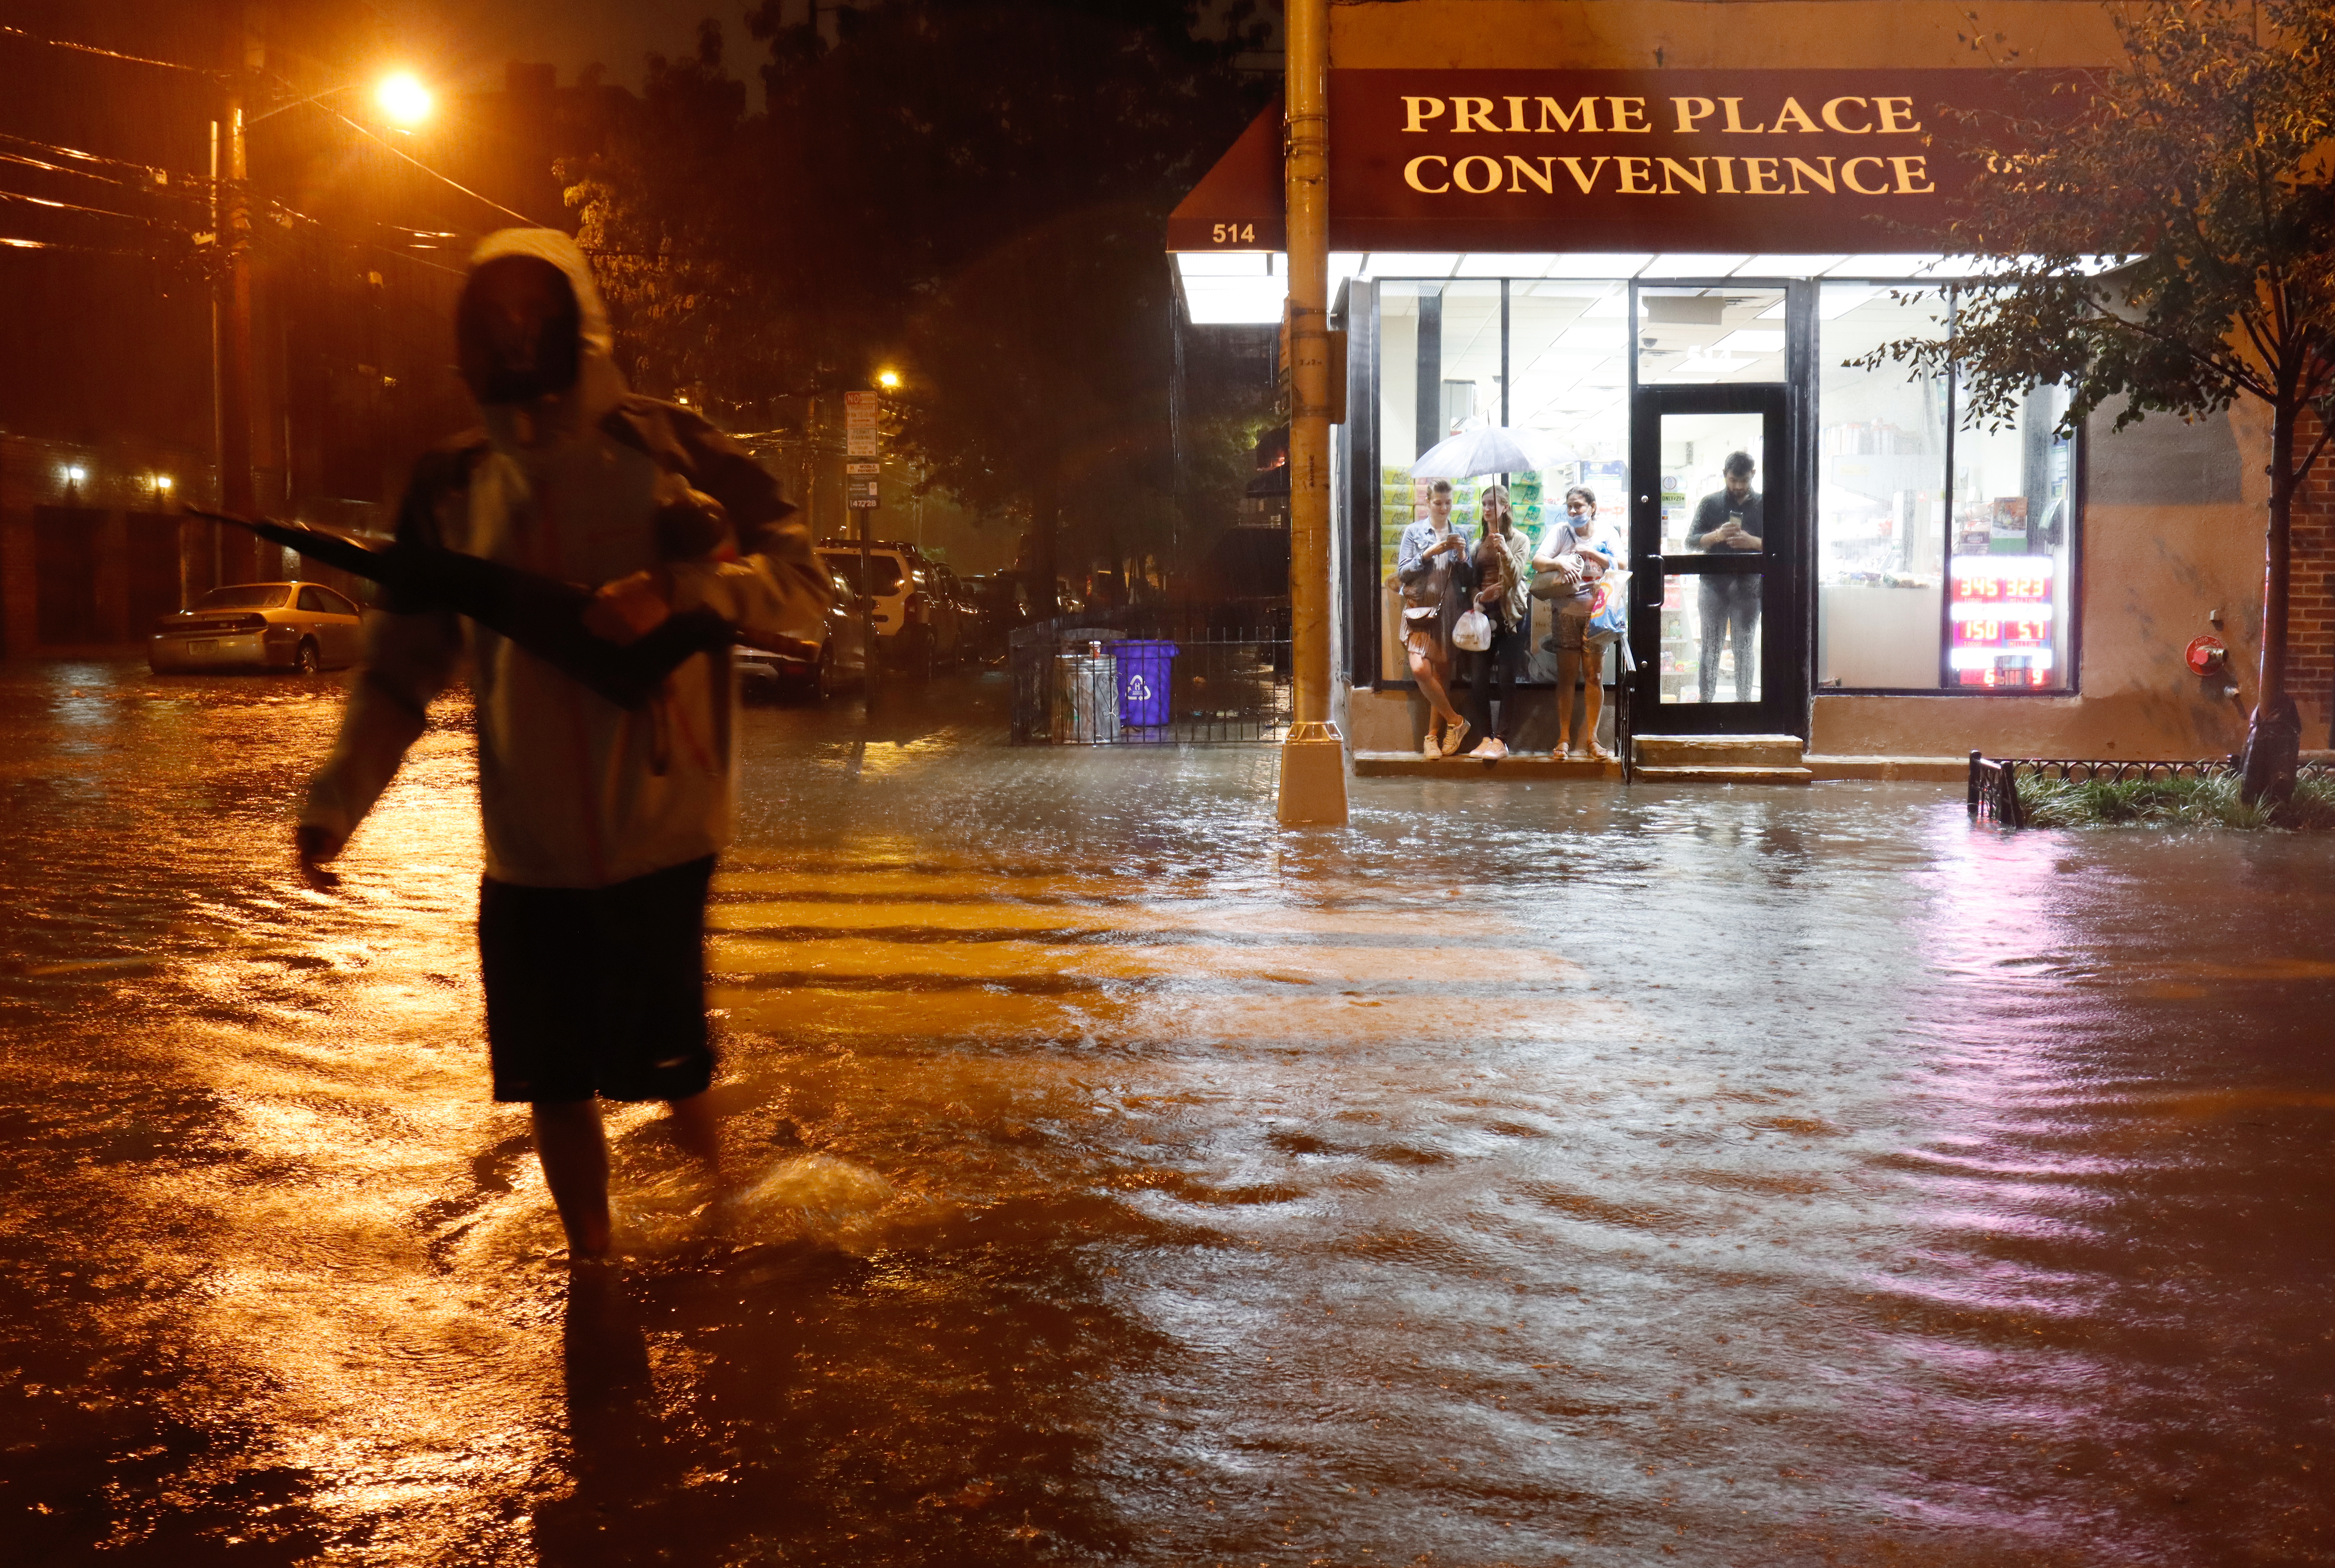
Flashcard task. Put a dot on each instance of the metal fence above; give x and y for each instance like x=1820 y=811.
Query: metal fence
x=1994 y=781
x=1142 y=678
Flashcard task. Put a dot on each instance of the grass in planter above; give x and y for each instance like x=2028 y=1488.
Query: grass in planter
x=2209 y=802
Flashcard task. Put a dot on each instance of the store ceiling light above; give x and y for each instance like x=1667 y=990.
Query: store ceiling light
x=1235 y=301
x=1750 y=340
x=1599 y=263
x=1505 y=264
x=1692 y=264
x=1411 y=263
x=1221 y=263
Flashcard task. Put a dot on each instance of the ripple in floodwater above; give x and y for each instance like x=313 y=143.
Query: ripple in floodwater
x=1525 y=1175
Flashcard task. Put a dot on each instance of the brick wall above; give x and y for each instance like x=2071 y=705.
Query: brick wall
x=2311 y=631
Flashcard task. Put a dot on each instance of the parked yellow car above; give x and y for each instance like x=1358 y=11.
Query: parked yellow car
x=302 y=626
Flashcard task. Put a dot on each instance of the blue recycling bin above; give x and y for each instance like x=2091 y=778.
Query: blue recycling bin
x=1145 y=674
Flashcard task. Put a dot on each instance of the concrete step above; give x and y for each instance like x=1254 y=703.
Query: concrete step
x=1700 y=774
x=1515 y=765
x=1719 y=750
x=1890 y=770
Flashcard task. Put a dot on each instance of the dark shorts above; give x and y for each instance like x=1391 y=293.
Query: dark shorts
x=597 y=991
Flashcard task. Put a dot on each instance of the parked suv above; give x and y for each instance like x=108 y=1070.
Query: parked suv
x=917 y=623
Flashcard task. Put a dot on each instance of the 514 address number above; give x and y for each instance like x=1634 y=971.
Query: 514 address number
x=1235 y=233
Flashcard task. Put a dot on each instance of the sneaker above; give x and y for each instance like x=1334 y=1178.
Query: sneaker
x=1492 y=747
x=1453 y=736
x=1432 y=746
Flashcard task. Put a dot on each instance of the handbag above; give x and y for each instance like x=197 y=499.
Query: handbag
x=1473 y=632
x=1560 y=581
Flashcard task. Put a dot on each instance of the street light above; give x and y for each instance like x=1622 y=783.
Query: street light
x=403 y=99
x=399 y=96
x=888 y=379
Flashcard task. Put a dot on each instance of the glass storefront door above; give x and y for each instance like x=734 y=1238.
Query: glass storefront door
x=1716 y=540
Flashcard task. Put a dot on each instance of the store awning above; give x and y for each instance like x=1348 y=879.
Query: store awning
x=1241 y=204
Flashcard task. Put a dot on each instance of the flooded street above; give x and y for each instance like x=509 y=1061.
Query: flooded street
x=1525 y=1175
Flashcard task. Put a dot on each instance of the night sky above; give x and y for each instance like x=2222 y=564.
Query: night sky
x=465 y=43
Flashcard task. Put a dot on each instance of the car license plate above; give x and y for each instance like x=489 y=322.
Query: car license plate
x=203 y=645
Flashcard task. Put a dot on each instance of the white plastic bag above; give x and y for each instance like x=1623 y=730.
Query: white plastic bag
x=1473 y=632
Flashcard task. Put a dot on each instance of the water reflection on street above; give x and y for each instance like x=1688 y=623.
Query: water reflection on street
x=1526 y=1175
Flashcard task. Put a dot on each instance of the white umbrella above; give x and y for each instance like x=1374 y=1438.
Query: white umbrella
x=1497 y=450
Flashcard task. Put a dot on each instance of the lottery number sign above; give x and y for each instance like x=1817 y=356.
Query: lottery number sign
x=2002 y=616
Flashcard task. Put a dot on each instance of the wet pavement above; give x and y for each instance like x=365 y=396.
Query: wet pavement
x=1529 y=1174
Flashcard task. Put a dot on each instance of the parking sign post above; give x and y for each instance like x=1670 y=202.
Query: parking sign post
x=863 y=455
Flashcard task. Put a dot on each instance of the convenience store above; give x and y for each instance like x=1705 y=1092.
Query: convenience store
x=1647 y=234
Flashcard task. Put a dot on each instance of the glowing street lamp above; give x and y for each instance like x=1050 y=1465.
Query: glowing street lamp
x=403 y=99
x=889 y=379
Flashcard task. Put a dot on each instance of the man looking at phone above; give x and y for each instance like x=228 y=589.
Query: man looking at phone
x=1730 y=521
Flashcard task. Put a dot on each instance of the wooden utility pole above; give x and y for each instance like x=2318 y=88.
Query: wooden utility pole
x=231 y=299
x=1314 y=758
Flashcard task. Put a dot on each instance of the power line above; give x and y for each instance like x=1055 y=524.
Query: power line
x=72 y=207
x=149 y=173
x=395 y=150
x=106 y=53
x=11 y=242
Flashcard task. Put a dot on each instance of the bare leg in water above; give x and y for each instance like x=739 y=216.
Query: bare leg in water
x=574 y=1148
x=1583 y=668
x=1428 y=672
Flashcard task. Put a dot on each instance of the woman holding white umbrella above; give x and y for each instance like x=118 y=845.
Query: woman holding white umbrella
x=1503 y=572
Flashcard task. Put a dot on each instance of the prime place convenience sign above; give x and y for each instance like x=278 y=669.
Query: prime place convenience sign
x=1762 y=161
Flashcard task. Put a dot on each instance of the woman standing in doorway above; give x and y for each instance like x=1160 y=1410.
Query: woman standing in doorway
x=1580 y=659
x=1503 y=570
x=1431 y=568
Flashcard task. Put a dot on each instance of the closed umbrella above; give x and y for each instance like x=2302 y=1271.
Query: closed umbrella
x=1497 y=449
x=540 y=614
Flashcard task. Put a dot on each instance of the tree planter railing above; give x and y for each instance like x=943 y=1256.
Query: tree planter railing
x=1994 y=781
x=1148 y=678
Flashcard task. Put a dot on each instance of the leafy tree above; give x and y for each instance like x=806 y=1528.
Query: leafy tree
x=973 y=193
x=2200 y=166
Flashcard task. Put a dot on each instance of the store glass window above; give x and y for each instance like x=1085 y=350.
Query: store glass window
x=1546 y=361
x=1943 y=555
x=2009 y=587
x=1569 y=350
x=1698 y=335
x=1881 y=492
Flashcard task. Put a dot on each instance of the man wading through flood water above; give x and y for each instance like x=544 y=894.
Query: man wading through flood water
x=602 y=822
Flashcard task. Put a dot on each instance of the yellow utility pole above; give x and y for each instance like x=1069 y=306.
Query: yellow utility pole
x=1314 y=758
